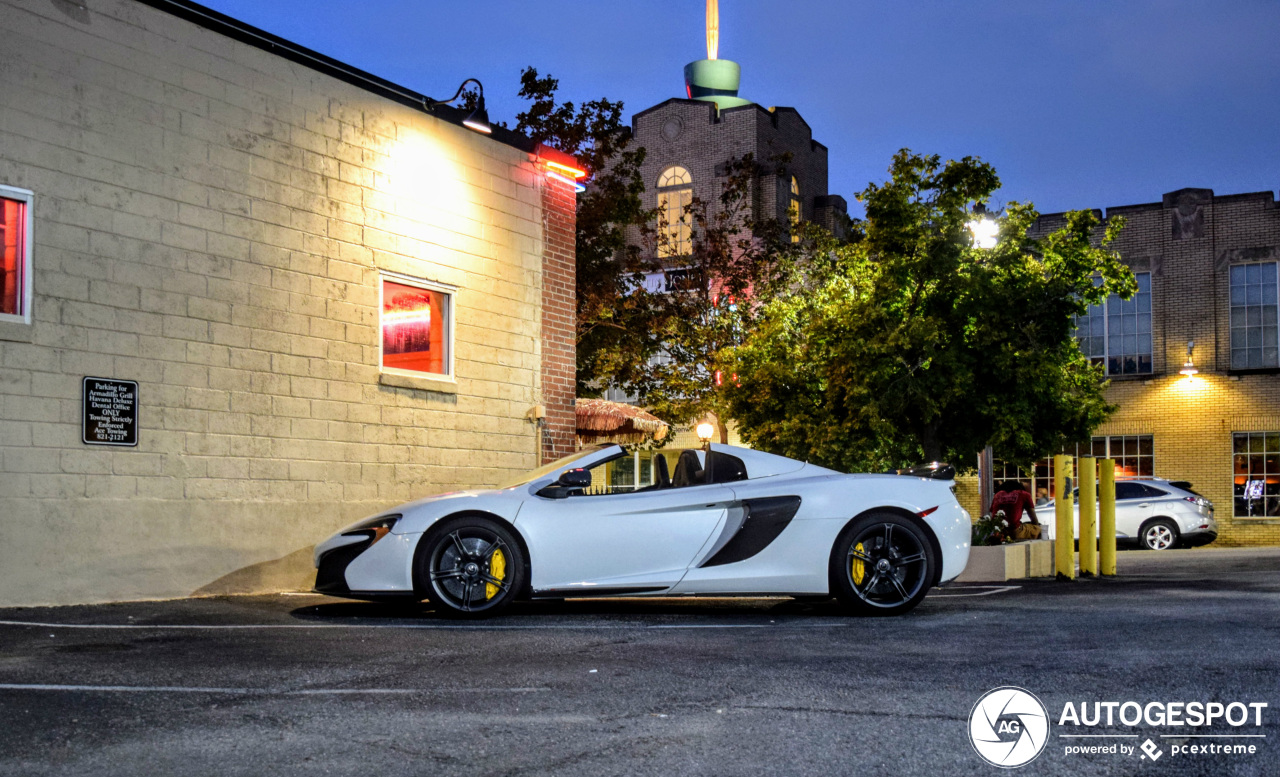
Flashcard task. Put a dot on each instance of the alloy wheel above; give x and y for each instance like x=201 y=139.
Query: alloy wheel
x=1158 y=537
x=468 y=570
x=886 y=565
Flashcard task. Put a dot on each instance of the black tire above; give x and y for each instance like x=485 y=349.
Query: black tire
x=1158 y=534
x=470 y=567
x=882 y=564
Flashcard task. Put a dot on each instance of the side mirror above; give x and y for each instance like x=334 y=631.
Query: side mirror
x=575 y=478
x=570 y=480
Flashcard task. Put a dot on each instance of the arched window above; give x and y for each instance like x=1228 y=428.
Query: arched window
x=675 y=195
x=793 y=210
x=674 y=176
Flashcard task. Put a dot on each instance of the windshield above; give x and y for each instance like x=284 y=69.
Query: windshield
x=547 y=469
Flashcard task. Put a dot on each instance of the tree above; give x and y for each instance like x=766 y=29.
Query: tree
x=910 y=342
x=614 y=325
x=661 y=345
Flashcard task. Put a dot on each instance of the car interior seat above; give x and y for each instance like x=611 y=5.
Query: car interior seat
x=689 y=471
x=660 y=477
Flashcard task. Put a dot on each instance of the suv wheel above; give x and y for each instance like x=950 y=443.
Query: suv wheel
x=1160 y=534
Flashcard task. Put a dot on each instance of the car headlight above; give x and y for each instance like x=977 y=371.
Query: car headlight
x=375 y=528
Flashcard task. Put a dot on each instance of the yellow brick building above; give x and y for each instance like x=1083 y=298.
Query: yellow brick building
x=1207 y=272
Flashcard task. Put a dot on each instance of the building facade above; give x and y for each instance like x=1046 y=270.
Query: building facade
x=251 y=294
x=690 y=143
x=1206 y=267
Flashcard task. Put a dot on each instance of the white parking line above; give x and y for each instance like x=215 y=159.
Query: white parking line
x=413 y=626
x=995 y=589
x=252 y=691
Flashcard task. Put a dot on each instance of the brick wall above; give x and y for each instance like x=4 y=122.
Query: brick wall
x=690 y=134
x=212 y=221
x=559 y=333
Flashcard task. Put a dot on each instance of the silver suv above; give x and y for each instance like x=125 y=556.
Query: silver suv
x=1153 y=513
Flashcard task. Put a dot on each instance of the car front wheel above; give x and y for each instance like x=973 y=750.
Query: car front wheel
x=882 y=564
x=1160 y=534
x=470 y=567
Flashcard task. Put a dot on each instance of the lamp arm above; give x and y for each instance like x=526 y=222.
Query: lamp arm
x=429 y=104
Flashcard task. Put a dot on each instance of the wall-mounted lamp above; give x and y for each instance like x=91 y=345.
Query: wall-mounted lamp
x=1189 y=368
x=477 y=120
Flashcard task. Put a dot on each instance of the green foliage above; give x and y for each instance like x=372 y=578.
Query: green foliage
x=911 y=343
x=615 y=326
x=622 y=325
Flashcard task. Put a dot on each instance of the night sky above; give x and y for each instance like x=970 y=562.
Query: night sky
x=1077 y=103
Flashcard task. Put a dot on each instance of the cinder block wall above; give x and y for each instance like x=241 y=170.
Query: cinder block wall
x=210 y=221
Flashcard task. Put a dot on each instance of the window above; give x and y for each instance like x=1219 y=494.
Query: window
x=15 y=262
x=417 y=327
x=675 y=195
x=1253 y=316
x=1256 y=471
x=1117 y=333
x=793 y=210
x=1134 y=456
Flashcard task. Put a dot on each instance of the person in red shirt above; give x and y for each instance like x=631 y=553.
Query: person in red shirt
x=1013 y=500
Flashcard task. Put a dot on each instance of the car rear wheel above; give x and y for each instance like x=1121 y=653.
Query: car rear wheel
x=882 y=564
x=1160 y=534
x=470 y=567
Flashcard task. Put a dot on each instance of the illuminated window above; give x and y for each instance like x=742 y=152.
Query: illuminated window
x=793 y=210
x=1253 y=316
x=1256 y=466
x=1134 y=455
x=675 y=195
x=1117 y=333
x=15 y=262
x=417 y=320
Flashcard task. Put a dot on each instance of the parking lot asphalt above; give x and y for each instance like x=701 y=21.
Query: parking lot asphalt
x=304 y=684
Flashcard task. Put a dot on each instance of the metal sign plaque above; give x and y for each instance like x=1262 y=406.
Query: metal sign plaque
x=110 y=412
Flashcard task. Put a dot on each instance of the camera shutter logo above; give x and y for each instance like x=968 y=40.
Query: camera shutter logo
x=1009 y=727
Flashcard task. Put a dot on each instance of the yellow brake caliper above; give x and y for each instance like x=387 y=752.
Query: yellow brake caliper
x=497 y=568
x=857 y=570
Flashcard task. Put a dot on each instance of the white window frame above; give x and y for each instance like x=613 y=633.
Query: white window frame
x=1105 y=315
x=450 y=339
x=1232 y=330
x=28 y=241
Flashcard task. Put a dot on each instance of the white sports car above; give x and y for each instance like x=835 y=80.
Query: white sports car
x=725 y=521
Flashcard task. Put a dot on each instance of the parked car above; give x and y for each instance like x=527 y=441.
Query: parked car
x=1152 y=513
x=727 y=520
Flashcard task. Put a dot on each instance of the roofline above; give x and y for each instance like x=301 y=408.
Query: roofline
x=237 y=30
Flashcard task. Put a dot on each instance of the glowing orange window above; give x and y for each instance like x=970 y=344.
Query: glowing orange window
x=13 y=262
x=415 y=328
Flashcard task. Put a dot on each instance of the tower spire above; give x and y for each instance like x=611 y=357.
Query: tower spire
x=713 y=29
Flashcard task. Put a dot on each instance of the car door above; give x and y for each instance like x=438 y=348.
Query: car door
x=1134 y=506
x=622 y=542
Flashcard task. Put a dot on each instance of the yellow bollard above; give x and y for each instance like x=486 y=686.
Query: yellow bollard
x=1064 y=551
x=1107 y=522
x=1088 y=478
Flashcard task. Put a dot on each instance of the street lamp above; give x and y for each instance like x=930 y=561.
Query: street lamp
x=1189 y=369
x=985 y=230
x=705 y=431
x=478 y=119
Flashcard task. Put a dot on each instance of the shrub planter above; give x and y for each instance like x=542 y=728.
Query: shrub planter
x=1013 y=561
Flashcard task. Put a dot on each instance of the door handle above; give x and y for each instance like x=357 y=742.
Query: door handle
x=1145 y=504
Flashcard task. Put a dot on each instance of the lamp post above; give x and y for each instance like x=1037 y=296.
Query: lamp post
x=705 y=431
x=985 y=230
x=478 y=119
